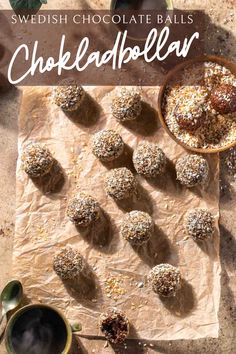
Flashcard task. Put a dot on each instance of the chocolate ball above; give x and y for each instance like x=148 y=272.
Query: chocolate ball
x=199 y=224
x=107 y=145
x=115 y=326
x=68 y=263
x=37 y=160
x=223 y=99
x=127 y=104
x=190 y=109
x=192 y=170
x=68 y=96
x=165 y=280
x=190 y=120
x=137 y=227
x=120 y=183
x=83 y=210
x=149 y=160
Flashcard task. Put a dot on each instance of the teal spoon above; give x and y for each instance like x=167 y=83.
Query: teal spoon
x=11 y=297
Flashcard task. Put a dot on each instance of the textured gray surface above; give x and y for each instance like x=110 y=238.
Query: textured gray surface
x=221 y=31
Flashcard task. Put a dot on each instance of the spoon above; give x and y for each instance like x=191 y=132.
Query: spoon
x=11 y=297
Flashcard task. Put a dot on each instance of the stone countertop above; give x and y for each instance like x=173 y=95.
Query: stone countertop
x=223 y=29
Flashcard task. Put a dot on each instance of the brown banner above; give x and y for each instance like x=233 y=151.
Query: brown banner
x=97 y=47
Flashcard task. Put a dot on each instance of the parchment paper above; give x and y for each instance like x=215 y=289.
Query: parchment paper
x=42 y=226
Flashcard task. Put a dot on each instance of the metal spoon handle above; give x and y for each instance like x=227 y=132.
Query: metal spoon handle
x=2 y=330
x=2 y=318
x=2 y=333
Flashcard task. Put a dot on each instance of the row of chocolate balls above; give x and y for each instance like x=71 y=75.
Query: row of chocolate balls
x=148 y=159
x=127 y=105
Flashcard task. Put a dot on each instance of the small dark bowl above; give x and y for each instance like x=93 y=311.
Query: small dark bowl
x=49 y=312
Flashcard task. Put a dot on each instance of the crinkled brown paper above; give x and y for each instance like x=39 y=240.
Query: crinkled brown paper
x=42 y=227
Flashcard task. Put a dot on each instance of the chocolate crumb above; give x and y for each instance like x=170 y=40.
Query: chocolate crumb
x=115 y=326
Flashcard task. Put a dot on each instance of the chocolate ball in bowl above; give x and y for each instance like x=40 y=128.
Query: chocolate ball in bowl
x=190 y=109
x=223 y=99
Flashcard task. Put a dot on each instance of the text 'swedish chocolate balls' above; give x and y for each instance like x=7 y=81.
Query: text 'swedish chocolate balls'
x=192 y=170
x=36 y=160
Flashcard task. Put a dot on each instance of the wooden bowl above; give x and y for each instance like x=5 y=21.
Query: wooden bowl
x=219 y=60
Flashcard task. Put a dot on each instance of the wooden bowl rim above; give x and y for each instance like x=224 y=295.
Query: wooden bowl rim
x=213 y=58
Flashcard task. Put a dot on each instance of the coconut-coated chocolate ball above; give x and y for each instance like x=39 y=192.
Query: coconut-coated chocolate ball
x=190 y=111
x=107 y=145
x=199 y=224
x=37 y=160
x=120 y=183
x=127 y=104
x=68 y=263
x=149 y=160
x=83 y=210
x=137 y=227
x=115 y=326
x=223 y=99
x=192 y=170
x=68 y=96
x=165 y=280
